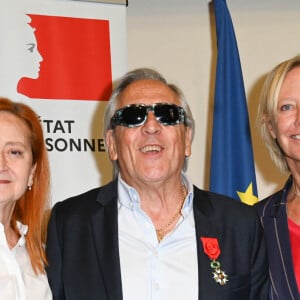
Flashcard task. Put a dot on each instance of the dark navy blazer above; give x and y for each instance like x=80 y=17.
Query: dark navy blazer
x=83 y=250
x=274 y=220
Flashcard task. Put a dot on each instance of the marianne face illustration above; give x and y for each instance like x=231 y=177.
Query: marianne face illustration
x=19 y=55
x=32 y=57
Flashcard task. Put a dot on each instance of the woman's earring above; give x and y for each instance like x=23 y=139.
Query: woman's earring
x=29 y=188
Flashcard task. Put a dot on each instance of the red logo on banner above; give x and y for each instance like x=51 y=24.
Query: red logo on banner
x=76 y=59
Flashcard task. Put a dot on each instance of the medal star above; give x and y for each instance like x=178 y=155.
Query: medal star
x=248 y=197
x=220 y=277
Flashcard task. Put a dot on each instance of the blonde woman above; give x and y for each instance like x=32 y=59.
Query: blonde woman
x=279 y=122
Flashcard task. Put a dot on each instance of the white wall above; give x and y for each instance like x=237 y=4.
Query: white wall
x=177 y=37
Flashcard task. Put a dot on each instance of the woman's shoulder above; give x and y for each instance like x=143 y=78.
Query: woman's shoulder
x=269 y=203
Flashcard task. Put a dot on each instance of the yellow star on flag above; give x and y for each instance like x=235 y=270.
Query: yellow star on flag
x=247 y=197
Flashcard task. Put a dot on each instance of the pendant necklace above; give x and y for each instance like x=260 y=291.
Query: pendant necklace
x=160 y=232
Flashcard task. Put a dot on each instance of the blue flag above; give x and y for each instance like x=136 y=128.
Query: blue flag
x=232 y=164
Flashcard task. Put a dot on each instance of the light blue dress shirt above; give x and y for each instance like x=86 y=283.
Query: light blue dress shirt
x=151 y=270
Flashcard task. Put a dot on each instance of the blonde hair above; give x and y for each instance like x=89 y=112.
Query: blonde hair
x=268 y=106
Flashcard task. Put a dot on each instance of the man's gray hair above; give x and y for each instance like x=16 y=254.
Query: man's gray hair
x=124 y=82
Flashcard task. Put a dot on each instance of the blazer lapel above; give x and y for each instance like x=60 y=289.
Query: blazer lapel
x=277 y=233
x=205 y=226
x=105 y=232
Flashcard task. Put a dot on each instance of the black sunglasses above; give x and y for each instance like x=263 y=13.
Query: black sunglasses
x=134 y=115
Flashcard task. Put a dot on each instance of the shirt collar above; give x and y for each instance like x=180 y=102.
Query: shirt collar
x=23 y=229
x=129 y=197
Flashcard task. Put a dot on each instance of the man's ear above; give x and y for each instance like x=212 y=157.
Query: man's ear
x=111 y=145
x=188 y=141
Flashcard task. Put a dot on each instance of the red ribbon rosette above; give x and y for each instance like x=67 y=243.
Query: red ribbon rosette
x=212 y=250
x=211 y=247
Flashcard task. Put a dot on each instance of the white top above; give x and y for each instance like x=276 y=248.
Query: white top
x=153 y=270
x=17 y=278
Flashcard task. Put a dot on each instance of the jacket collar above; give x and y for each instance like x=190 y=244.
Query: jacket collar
x=275 y=206
x=275 y=223
x=105 y=233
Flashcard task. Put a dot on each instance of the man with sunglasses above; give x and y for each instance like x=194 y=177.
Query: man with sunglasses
x=150 y=233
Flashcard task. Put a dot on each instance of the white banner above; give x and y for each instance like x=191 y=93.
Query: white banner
x=61 y=57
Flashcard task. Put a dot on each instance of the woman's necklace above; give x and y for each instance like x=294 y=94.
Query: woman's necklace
x=160 y=232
